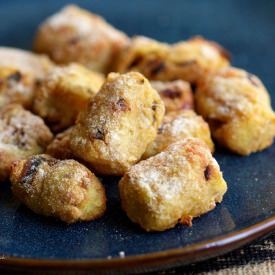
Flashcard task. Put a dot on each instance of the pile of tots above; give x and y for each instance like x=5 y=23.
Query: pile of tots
x=92 y=101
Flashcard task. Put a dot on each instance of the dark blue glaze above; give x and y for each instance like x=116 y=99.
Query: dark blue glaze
x=246 y=28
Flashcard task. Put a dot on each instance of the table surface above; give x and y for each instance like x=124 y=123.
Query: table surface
x=255 y=258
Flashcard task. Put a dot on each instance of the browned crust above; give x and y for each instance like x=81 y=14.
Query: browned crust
x=223 y=51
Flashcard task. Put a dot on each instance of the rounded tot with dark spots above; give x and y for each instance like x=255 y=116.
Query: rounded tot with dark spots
x=22 y=134
x=177 y=126
x=64 y=189
x=197 y=58
x=237 y=107
x=63 y=93
x=77 y=35
x=121 y=120
x=188 y=60
x=172 y=187
x=143 y=55
x=19 y=72
x=176 y=95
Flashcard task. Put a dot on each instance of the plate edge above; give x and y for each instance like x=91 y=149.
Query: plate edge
x=184 y=255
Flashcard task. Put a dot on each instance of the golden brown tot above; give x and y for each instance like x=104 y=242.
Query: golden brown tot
x=237 y=107
x=63 y=93
x=172 y=187
x=76 y=35
x=177 y=126
x=64 y=189
x=121 y=120
x=22 y=134
x=189 y=60
x=19 y=72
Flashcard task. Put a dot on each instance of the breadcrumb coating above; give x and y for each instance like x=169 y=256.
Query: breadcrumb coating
x=77 y=35
x=19 y=72
x=63 y=93
x=22 y=134
x=121 y=120
x=32 y=64
x=188 y=60
x=172 y=187
x=15 y=87
x=64 y=189
x=177 y=126
x=237 y=107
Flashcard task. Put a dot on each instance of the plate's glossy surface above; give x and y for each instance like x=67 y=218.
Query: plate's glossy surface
x=246 y=28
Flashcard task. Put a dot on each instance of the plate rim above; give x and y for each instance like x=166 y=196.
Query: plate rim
x=177 y=256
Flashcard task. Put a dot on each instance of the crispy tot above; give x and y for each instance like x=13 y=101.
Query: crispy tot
x=177 y=126
x=119 y=123
x=176 y=95
x=22 y=134
x=172 y=187
x=19 y=72
x=63 y=93
x=188 y=60
x=76 y=35
x=64 y=189
x=237 y=107
x=198 y=57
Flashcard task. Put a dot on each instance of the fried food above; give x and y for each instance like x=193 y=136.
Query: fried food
x=24 y=61
x=172 y=187
x=177 y=126
x=176 y=95
x=15 y=87
x=19 y=72
x=189 y=60
x=76 y=35
x=63 y=189
x=60 y=147
x=63 y=93
x=22 y=134
x=237 y=107
x=121 y=120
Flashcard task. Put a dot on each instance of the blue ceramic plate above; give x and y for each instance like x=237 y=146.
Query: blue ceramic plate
x=246 y=28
